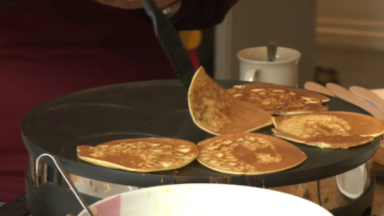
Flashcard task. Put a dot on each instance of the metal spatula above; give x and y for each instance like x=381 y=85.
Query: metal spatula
x=271 y=51
x=171 y=43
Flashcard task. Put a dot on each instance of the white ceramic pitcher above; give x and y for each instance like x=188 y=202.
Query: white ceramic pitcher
x=255 y=67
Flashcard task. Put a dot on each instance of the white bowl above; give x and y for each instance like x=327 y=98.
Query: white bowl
x=101 y=189
x=204 y=200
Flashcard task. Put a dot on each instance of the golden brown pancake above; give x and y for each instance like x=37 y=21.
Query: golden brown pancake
x=279 y=100
x=140 y=155
x=328 y=129
x=248 y=154
x=217 y=112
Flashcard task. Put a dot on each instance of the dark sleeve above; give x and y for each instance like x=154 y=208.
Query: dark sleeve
x=199 y=14
x=6 y=3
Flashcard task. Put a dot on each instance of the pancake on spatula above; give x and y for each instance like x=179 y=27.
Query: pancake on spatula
x=248 y=154
x=328 y=129
x=140 y=155
x=279 y=100
x=217 y=112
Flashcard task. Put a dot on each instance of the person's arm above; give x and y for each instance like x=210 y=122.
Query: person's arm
x=199 y=14
x=193 y=14
x=6 y=3
x=134 y=4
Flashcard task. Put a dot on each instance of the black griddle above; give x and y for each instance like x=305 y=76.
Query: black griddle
x=160 y=109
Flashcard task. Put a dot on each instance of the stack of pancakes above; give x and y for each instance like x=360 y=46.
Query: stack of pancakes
x=230 y=114
x=279 y=100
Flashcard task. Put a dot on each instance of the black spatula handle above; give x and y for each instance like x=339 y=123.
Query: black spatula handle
x=171 y=43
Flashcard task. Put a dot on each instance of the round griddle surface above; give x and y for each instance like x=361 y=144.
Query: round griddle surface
x=159 y=109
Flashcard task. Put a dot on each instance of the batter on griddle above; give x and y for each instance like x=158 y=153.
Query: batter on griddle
x=216 y=112
x=328 y=129
x=140 y=155
x=248 y=154
x=279 y=100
